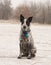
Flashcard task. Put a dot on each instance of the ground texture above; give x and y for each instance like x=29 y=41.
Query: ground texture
x=9 y=45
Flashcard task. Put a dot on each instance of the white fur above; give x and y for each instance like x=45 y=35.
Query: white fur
x=24 y=24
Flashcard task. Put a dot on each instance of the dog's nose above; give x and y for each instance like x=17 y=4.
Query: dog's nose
x=24 y=27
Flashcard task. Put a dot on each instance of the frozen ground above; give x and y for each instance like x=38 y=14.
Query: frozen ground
x=9 y=45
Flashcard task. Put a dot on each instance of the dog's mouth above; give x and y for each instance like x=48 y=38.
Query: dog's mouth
x=25 y=31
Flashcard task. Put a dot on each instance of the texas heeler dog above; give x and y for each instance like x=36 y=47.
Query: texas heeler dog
x=27 y=47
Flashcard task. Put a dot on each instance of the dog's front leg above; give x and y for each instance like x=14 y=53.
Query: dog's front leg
x=29 y=51
x=29 y=56
x=21 y=53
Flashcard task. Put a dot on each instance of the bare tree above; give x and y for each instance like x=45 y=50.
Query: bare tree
x=23 y=9
x=41 y=12
x=1 y=9
x=48 y=17
x=5 y=9
x=33 y=9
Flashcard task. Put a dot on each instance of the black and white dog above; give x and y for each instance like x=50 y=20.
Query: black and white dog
x=27 y=47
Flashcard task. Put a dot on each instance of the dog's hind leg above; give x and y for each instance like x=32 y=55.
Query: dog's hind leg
x=33 y=52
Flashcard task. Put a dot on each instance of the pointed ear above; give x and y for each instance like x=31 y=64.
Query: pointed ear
x=30 y=19
x=21 y=18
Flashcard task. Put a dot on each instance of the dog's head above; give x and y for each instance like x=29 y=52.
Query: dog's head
x=25 y=23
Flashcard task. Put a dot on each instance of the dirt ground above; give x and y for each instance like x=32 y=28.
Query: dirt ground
x=9 y=44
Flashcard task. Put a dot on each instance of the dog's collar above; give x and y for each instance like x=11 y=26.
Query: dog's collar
x=26 y=33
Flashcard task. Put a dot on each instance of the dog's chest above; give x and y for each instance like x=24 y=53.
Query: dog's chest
x=25 y=42
x=25 y=39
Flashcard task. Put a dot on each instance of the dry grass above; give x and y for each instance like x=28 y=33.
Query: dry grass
x=13 y=21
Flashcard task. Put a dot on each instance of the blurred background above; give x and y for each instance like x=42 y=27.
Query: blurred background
x=39 y=9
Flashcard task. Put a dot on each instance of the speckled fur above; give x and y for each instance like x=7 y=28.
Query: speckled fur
x=27 y=47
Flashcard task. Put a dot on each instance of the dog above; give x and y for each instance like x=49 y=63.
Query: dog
x=27 y=47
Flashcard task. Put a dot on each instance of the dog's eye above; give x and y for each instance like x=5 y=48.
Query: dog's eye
x=22 y=23
x=28 y=24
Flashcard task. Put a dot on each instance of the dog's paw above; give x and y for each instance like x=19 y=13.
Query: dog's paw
x=29 y=57
x=19 y=57
x=35 y=51
x=33 y=55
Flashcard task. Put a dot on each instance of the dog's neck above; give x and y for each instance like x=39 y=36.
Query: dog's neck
x=26 y=33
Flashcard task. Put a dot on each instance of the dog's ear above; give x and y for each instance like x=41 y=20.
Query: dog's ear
x=29 y=19
x=21 y=18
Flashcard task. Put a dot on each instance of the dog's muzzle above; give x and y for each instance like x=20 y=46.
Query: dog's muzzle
x=24 y=27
